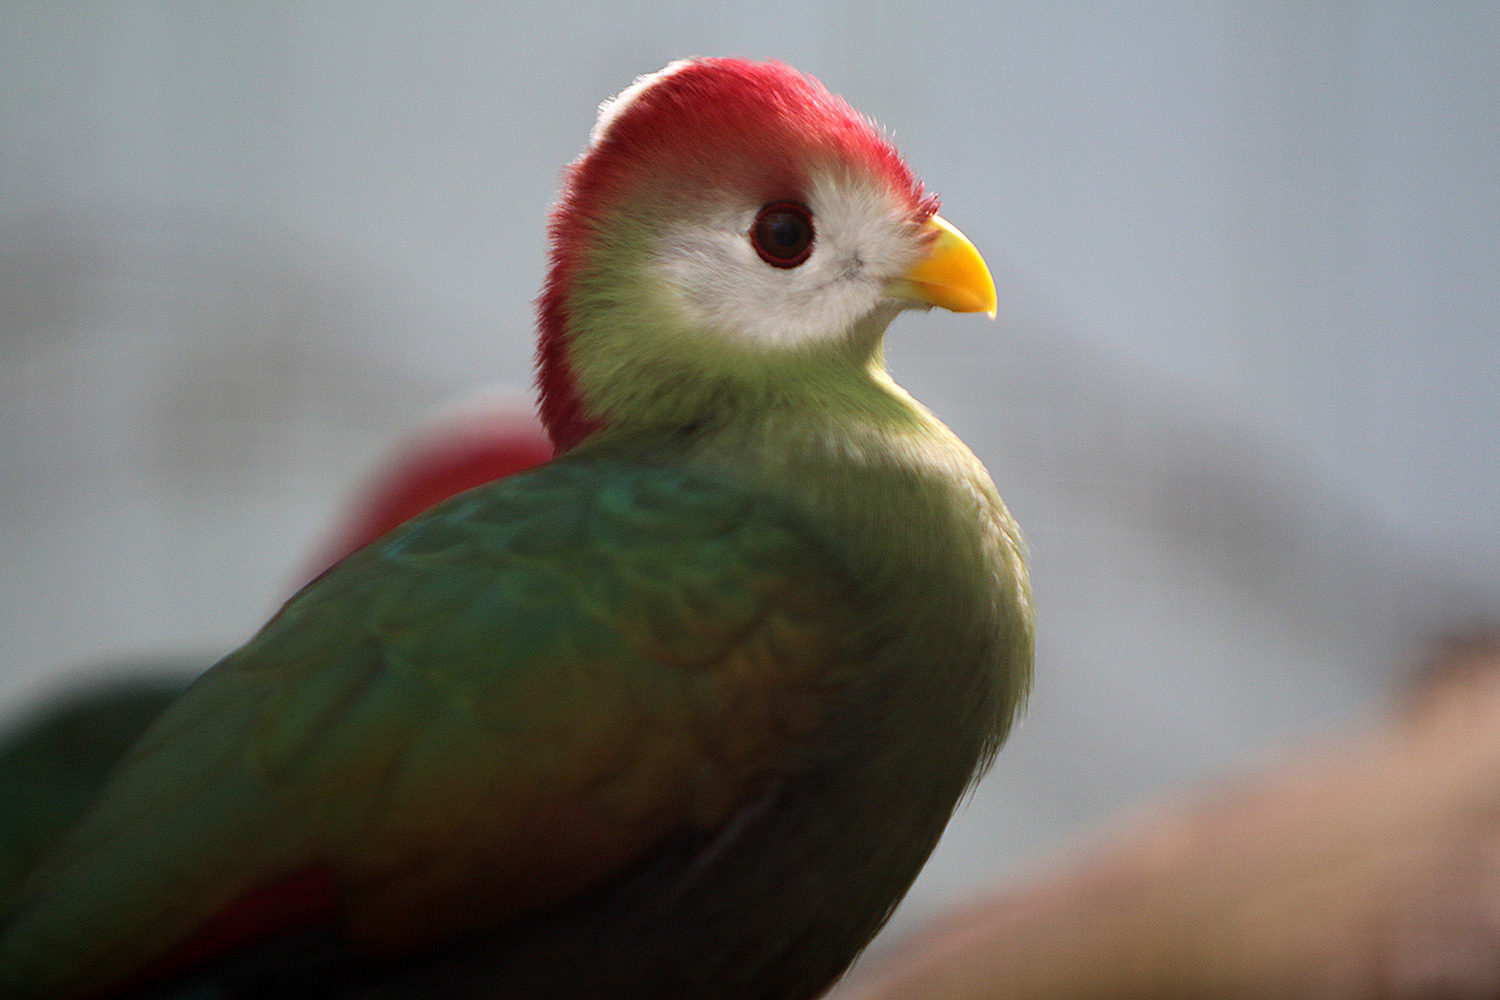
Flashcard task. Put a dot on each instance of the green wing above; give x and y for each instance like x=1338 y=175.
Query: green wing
x=494 y=707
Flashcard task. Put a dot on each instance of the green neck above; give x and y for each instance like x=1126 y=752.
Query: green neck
x=669 y=383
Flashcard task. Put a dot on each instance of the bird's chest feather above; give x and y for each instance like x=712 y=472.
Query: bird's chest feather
x=778 y=898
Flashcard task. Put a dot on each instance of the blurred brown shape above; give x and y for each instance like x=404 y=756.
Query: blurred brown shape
x=1363 y=867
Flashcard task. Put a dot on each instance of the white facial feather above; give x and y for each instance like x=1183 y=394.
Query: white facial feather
x=863 y=239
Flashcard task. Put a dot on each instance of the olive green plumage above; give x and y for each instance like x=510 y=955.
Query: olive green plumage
x=568 y=668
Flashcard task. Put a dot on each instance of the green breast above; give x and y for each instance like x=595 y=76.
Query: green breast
x=917 y=520
x=859 y=808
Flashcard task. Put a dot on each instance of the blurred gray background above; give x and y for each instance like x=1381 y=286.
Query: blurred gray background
x=1242 y=393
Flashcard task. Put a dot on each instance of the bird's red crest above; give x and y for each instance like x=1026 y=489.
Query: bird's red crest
x=764 y=124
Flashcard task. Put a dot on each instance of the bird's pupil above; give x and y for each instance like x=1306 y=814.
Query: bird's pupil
x=786 y=231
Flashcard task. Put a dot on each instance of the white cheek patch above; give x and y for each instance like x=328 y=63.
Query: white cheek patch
x=862 y=240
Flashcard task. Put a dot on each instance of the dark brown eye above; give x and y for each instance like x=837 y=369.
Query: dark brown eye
x=783 y=234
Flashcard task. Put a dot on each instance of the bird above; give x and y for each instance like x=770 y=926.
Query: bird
x=678 y=713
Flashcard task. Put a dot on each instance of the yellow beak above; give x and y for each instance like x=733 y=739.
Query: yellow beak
x=951 y=274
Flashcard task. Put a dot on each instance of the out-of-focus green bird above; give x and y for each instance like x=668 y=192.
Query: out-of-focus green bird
x=680 y=713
